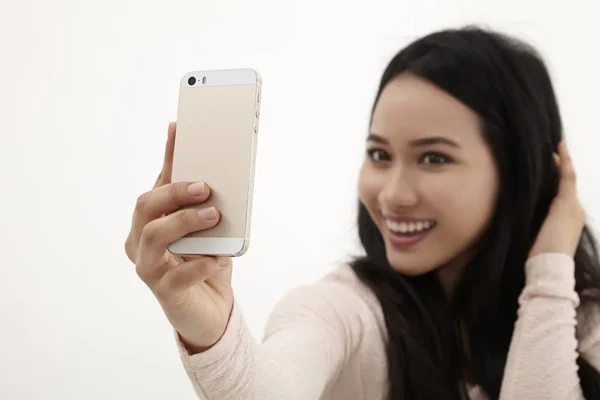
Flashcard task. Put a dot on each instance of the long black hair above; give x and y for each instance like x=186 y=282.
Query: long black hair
x=505 y=81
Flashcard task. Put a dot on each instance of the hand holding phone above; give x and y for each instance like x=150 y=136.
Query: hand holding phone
x=194 y=292
x=200 y=206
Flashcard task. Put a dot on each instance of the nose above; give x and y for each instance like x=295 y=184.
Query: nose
x=398 y=192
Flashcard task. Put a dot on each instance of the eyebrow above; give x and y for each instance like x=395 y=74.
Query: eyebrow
x=427 y=141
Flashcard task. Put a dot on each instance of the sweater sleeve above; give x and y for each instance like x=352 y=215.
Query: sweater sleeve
x=541 y=362
x=309 y=337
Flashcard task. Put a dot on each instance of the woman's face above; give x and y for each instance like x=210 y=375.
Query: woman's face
x=428 y=181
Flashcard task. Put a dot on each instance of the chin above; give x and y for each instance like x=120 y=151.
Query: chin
x=411 y=264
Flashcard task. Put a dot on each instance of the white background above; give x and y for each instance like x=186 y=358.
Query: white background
x=86 y=92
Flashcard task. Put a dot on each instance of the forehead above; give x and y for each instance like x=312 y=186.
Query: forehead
x=411 y=107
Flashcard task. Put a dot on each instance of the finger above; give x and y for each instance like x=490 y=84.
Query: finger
x=165 y=200
x=191 y=273
x=165 y=174
x=567 y=187
x=158 y=234
x=164 y=177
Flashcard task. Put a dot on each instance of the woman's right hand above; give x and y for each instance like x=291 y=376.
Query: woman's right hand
x=194 y=292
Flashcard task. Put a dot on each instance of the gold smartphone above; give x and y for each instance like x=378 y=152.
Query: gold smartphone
x=217 y=127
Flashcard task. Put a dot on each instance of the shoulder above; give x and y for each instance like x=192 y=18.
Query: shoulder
x=339 y=298
x=340 y=287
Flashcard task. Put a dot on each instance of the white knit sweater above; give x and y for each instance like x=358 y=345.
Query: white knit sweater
x=327 y=341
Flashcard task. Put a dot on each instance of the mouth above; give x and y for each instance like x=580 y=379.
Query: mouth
x=408 y=233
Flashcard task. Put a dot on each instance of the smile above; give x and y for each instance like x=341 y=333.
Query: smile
x=412 y=227
x=405 y=234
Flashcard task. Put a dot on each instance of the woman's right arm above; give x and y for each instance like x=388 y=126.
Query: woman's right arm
x=309 y=337
x=310 y=334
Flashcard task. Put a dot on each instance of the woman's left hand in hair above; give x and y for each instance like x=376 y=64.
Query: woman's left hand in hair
x=561 y=231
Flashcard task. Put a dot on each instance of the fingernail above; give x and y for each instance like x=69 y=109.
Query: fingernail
x=196 y=189
x=223 y=261
x=207 y=213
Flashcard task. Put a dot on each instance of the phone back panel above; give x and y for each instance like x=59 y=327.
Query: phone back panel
x=216 y=143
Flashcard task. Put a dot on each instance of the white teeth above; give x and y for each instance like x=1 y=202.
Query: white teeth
x=409 y=227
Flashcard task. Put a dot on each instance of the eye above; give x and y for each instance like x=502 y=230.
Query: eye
x=432 y=158
x=377 y=155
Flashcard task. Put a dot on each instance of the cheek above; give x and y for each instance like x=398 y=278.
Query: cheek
x=464 y=204
x=368 y=188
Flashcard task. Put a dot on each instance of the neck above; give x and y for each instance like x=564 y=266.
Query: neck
x=449 y=273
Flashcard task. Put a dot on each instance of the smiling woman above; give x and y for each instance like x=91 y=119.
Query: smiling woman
x=480 y=279
x=462 y=134
x=428 y=145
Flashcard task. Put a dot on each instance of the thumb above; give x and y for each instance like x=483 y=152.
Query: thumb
x=165 y=174
x=222 y=275
x=568 y=179
x=215 y=271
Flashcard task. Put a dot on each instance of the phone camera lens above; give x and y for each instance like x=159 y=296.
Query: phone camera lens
x=192 y=81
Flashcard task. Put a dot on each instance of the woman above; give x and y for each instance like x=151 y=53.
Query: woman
x=478 y=264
